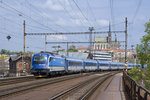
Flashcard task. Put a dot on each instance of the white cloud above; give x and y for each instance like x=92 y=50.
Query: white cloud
x=46 y=15
x=76 y=21
x=53 y=5
x=103 y=22
x=61 y=22
x=80 y=22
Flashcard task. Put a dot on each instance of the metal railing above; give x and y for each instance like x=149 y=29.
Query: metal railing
x=133 y=89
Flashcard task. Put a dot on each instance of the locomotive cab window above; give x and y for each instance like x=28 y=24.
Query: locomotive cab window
x=41 y=59
x=50 y=59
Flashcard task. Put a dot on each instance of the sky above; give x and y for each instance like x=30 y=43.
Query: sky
x=53 y=16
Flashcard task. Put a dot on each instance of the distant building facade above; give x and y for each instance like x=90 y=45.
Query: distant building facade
x=102 y=43
x=103 y=56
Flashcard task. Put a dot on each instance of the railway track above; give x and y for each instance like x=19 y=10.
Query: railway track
x=15 y=80
x=38 y=83
x=83 y=90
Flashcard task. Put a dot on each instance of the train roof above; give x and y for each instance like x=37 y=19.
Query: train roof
x=75 y=59
x=36 y=54
x=89 y=60
x=103 y=62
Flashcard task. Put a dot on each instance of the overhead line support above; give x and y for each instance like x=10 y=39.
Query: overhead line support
x=74 y=42
x=126 y=45
x=73 y=33
x=24 y=38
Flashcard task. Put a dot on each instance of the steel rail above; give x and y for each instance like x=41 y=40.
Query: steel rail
x=66 y=92
x=92 y=90
x=16 y=80
x=16 y=89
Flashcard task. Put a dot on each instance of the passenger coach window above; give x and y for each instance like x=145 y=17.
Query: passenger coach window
x=90 y=64
x=114 y=65
x=75 y=63
x=103 y=64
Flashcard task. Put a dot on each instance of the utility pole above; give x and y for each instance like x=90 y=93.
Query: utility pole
x=90 y=38
x=24 y=38
x=67 y=50
x=45 y=42
x=126 y=36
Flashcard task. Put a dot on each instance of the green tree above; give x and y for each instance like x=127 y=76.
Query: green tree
x=3 y=51
x=143 y=49
x=136 y=74
x=143 y=54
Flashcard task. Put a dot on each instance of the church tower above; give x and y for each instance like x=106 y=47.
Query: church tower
x=109 y=37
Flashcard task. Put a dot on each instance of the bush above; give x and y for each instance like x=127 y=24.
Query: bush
x=136 y=74
x=2 y=57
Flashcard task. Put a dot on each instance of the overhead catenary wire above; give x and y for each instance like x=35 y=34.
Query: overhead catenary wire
x=111 y=12
x=8 y=30
x=12 y=33
x=28 y=17
x=67 y=13
x=137 y=10
x=110 y=25
x=81 y=21
x=15 y=42
x=18 y=24
x=21 y=13
x=37 y=13
x=93 y=14
x=82 y=13
x=79 y=17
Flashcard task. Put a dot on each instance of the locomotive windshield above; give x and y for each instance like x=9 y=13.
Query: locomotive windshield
x=40 y=59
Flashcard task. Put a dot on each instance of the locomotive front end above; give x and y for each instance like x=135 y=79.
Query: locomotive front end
x=40 y=65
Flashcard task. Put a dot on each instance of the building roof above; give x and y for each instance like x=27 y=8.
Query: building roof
x=14 y=58
x=123 y=51
x=103 y=49
x=81 y=48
